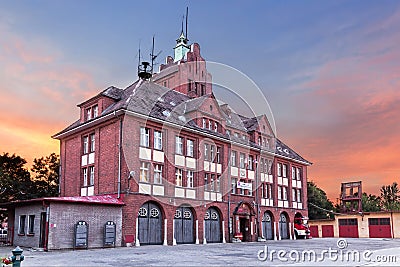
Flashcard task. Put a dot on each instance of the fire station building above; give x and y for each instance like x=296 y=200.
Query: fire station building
x=172 y=165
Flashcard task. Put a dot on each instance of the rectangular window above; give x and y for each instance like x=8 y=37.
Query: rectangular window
x=144 y=172
x=212 y=154
x=250 y=163
x=189 y=148
x=31 y=224
x=294 y=173
x=233 y=185
x=242 y=161
x=298 y=174
x=233 y=158
x=85 y=176
x=91 y=173
x=95 y=111
x=206 y=181
x=270 y=167
x=189 y=181
x=218 y=184
x=212 y=183
x=284 y=170
x=294 y=195
x=215 y=126
x=269 y=188
x=299 y=195
x=88 y=114
x=210 y=125
x=218 y=159
x=279 y=166
x=204 y=123
x=158 y=140
x=92 y=143
x=144 y=137
x=21 y=225
x=206 y=149
x=284 y=192
x=85 y=144
x=178 y=177
x=179 y=145
x=280 y=192
x=158 y=174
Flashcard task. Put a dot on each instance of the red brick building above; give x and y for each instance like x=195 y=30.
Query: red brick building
x=187 y=168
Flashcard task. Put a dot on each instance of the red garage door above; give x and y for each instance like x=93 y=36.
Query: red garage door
x=327 y=231
x=348 y=228
x=314 y=230
x=379 y=227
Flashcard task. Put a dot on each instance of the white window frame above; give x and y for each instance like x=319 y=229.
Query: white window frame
x=158 y=174
x=189 y=178
x=95 y=111
x=31 y=224
x=92 y=142
x=178 y=177
x=85 y=176
x=233 y=158
x=21 y=224
x=242 y=160
x=215 y=126
x=144 y=172
x=91 y=175
x=158 y=144
x=189 y=148
x=85 y=144
x=179 y=145
x=144 y=137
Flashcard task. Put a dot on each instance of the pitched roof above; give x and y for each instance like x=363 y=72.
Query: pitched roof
x=155 y=101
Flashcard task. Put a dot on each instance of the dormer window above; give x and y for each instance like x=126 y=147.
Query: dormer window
x=92 y=112
x=95 y=111
x=88 y=114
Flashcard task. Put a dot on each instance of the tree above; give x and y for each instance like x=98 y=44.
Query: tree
x=390 y=197
x=15 y=182
x=370 y=203
x=45 y=175
x=319 y=206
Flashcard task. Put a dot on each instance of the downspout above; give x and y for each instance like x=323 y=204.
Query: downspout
x=119 y=157
x=229 y=195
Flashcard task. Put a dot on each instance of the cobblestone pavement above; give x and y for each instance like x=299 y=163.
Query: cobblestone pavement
x=317 y=252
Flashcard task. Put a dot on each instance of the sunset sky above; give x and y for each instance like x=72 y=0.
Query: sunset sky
x=329 y=69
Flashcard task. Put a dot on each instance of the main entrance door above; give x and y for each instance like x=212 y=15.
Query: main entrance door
x=283 y=227
x=183 y=224
x=212 y=226
x=268 y=229
x=150 y=224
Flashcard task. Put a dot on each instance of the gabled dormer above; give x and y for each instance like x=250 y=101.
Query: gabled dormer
x=95 y=106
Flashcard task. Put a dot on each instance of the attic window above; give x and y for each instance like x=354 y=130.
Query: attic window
x=211 y=107
x=172 y=103
x=92 y=112
x=166 y=113
x=264 y=128
x=286 y=151
x=160 y=99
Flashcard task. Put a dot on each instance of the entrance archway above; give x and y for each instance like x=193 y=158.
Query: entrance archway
x=150 y=220
x=268 y=225
x=184 y=224
x=284 y=226
x=244 y=215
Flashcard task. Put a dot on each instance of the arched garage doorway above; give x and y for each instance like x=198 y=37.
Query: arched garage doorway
x=268 y=226
x=150 y=220
x=184 y=225
x=212 y=226
x=284 y=226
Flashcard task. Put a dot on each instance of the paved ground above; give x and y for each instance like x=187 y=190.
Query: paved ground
x=317 y=252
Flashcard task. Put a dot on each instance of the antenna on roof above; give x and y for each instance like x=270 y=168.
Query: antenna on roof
x=145 y=68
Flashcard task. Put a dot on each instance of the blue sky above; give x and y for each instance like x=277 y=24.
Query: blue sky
x=329 y=70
